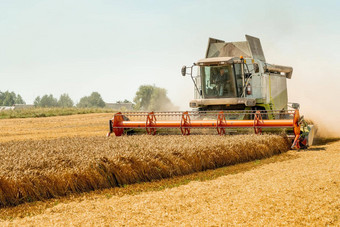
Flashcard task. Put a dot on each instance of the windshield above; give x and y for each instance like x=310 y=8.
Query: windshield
x=220 y=81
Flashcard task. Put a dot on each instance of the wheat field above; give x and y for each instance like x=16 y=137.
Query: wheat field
x=303 y=190
x=54 y=127
x=57 y=156
x=39 y=169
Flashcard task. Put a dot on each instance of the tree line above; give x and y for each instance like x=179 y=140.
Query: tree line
x=93 y=100
x=10 y=98
x=147 y=98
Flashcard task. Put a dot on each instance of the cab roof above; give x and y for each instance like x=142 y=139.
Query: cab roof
x=217 y=60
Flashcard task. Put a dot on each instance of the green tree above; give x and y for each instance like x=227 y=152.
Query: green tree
x=84 y=102
x=94 y=100
x=143 y=97
x=10 y=98
x=19 y=100
x=150 y=97
x=46 y=101
x=2 y=98
x=65 y=101
x=37 y=101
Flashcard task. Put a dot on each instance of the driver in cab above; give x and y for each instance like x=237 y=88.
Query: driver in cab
x=221 y=81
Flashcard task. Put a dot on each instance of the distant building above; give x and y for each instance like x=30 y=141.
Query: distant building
x=119 y=106
x=6 y=108
x=17 y=107
x=23 y=106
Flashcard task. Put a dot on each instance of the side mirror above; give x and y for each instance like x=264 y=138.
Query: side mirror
x=296 y=106
x=184 y=70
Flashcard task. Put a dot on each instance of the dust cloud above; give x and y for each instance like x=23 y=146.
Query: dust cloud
x=325 y=117
x=316 y=86
x=162 y=103
x=168 y=106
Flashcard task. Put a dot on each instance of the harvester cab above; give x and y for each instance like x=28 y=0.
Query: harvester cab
x=235 y=89
x=235 y=76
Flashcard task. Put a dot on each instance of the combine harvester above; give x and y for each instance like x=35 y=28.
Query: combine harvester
x=235 y=89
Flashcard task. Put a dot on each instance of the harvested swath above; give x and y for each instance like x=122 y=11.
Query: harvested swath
x=36 y=170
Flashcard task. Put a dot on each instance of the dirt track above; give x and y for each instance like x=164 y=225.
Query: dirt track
x=300 y=191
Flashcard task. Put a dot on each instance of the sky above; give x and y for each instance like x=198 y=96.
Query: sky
x=113 y=47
